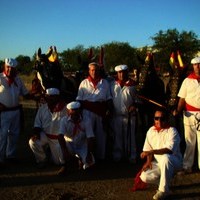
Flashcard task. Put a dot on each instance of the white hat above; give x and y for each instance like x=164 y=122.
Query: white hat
x=11 y=62
x=121 y=68
x=195 y=60
x=52 y=91
x=73 y=105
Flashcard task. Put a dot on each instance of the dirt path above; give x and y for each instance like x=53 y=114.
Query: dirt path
x=108 y=181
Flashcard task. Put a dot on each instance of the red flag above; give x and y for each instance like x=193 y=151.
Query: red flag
x=101 y=58
x=90 y=54
x=172 y=60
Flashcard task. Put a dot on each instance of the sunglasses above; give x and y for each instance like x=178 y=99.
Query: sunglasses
x=159 y=118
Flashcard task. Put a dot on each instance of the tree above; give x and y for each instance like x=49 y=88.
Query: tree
x=166 y=42
x=120 y=53
x=25 y=65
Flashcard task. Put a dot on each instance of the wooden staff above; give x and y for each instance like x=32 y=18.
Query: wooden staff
x=151 y=101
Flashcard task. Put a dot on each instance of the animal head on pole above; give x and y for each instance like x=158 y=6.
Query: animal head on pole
x=48 y=69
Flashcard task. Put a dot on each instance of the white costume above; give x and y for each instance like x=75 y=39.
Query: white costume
x=95 y=98
x=76 y=136
x=123 y=123
x=49 y=123
x=190 y=91
x=164 y=166
x=10 y=116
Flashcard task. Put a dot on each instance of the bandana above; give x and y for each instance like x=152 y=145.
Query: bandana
x=128 y=83
x=159 y=128
x=10 y=80
x=59 y=106
x=94 y=81
x=194 y=76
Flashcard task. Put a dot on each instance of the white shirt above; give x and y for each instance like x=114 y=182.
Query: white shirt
x=83 y=131
x=165 y=138
x=9 y=95
x=99 y=93
x=49 y=122
x=190 y=91
x=123 y=98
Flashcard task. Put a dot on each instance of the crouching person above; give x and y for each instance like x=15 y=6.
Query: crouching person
x=76 y=139
x=46 y=127
x=162 y=151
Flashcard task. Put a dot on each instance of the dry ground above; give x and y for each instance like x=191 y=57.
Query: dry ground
x=108 y=181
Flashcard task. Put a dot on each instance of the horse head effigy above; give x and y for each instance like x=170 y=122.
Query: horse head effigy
x=48 y=69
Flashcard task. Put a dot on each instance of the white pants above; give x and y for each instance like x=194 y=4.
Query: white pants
x=9 y=133
x=162 y=171
x=38 y=148
x=192 y=136
x=99 y=132
x=80 y=150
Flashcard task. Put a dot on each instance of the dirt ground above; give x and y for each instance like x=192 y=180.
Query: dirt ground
x=107 y=181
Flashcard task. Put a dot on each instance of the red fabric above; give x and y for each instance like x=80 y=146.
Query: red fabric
x=51 y=136
x=138 y=183
x=99 y=108
x=191 y=108
x=194 y=76
x=10 y=80
x=130 y=82
x=59 y=106
x=77 y=127
x=159 y=128
x=94 y=81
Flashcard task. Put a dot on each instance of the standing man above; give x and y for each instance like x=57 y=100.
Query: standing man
x=11 y=88
x=189 y=103
x=76 y=138
x=162 y=152
x=124 y=115
x=46 y=127
x=95 y=98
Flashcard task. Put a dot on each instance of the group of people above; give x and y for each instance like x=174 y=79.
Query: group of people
x=76 y=133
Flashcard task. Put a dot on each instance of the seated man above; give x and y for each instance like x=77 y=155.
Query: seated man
x=46 y=126
x=76 y=138
x=162 y=151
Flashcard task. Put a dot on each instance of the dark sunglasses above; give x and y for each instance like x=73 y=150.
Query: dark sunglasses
x=159 y=118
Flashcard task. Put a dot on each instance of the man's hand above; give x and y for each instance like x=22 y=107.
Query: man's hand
x=146 y=153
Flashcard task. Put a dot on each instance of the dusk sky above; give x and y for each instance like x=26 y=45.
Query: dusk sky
x=27 y=25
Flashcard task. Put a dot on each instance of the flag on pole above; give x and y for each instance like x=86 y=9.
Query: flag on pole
x=90 y=54
x=148 y=57
x=101 y=57
x=172 y=60
x=180 y=60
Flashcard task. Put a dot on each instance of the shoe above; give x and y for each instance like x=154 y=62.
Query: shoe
x=160 y=195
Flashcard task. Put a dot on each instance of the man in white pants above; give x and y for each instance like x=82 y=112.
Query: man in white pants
x=11 y=88
x=189 y=103
x=46 y=127
x=162 y=151
x=95 y=98
x=123 y=121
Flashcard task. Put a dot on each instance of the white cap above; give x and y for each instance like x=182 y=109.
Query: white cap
x=52 y=91
x=11 y=62
x=195 y=60
x=121 y=68
x=73 y=105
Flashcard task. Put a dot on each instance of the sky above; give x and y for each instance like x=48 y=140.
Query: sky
x=26 y=25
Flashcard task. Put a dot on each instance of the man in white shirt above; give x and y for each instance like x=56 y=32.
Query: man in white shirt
x=46 y=129
x=76 y=138
x=11 y=88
